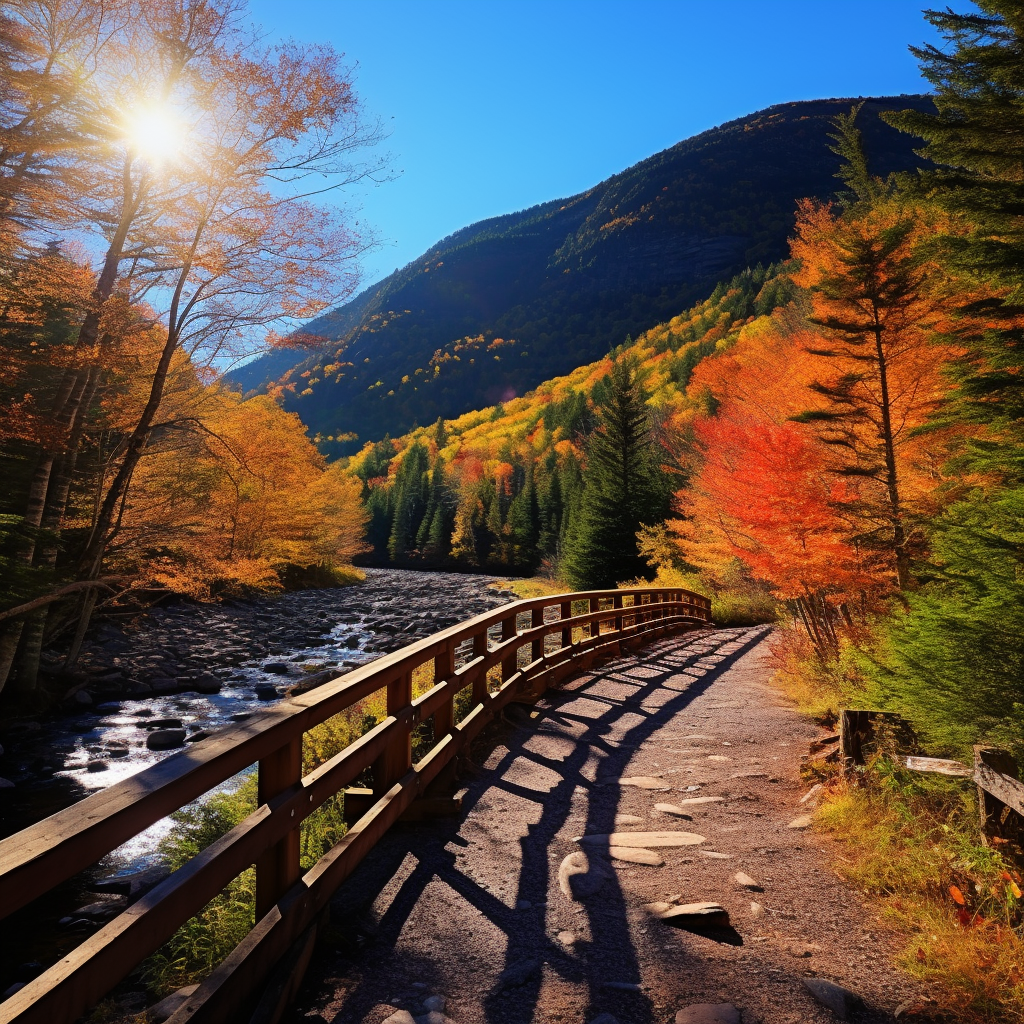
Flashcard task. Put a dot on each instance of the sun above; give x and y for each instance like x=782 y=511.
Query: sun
x=154 y=134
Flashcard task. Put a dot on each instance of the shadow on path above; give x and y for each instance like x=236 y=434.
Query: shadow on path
x=607 y=714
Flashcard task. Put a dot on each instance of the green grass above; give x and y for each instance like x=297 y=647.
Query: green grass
x=911 y=841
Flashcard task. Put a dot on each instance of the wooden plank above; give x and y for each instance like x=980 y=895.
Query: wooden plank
x=937 y=765
x=565 y=610
x=396 y=759
x=277 y=869
x=1005 y=789
x=509 y=632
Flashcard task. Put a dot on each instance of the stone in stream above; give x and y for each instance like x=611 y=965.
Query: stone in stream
x=97 y=766
x=580 y=876
x=102 y=910
x=207 y=683
x=165 y=739
x=841 y=1001
x=277 y=668
x=266 y=692
x=161 y=723
x=82 y=697
x=645 y=782
x=708 y=1013
x=311 y=682
x=635 y=855
x=434 y=1004
x=649 y=840
x=745 y=881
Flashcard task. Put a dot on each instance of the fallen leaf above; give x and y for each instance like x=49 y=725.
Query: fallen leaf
x=1015 y=889
x=958 y=896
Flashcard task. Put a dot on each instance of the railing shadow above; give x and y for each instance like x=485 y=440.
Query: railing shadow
x=613 y=729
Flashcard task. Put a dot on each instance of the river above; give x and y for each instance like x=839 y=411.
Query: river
x=198 y=668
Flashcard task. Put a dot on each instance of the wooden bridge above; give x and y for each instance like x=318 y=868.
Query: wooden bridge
x=467 y=674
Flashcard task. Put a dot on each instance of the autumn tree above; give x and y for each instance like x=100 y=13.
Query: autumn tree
x=876 y=312
x=199 y=149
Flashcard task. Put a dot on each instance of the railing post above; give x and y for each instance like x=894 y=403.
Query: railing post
x=444 y=669
x=617 y=601
x=537 y=647
x=397 y=759
x=990 y=807
x=508 y=663
x=567 y=633
x=278 y=869
x=595 y=606
x=480 y=679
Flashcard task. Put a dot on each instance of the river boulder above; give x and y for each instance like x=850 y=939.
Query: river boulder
x=165 y=739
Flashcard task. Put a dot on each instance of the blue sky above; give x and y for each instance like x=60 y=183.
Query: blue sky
x=496 y=105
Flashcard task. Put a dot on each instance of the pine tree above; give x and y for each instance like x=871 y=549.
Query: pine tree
x=549 y=511
x=622 y=487
x=523 y=525
x=974 y=136
x=409 y=502
x=432 y=538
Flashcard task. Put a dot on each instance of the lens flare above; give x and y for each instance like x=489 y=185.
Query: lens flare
x=154 y=133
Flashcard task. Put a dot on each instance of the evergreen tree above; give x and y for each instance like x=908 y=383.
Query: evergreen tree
x=974 y=136
x=622 y=487
x=549 y=510
x=408 y=501
x=432 y=537
x=523 y=525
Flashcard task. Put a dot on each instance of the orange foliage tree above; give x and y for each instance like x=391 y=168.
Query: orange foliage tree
x=878 y=306
x=186 y=152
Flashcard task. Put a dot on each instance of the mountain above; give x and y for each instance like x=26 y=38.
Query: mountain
x=502 y=305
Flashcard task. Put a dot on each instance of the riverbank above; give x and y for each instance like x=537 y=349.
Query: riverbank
x=188 y=669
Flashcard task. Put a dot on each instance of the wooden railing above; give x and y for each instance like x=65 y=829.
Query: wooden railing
x=527 y=645
x=995 y=771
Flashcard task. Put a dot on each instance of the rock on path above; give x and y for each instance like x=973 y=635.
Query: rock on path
x=510 y=917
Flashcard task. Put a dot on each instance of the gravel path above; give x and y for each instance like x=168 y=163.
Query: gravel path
x=471 y=909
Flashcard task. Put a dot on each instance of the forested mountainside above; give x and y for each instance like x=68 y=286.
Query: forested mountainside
x=500 y=306
x=499 y=488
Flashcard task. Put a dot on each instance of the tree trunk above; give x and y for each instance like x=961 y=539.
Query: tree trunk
x=899 y=537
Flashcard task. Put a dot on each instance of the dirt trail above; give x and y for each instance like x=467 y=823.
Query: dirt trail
x=471 y=908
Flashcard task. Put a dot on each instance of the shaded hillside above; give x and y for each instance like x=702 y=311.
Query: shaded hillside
x=498 y=488
x=500 y=306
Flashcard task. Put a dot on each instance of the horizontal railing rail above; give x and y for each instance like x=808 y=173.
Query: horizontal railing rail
x=995 y=771
x=530 y=656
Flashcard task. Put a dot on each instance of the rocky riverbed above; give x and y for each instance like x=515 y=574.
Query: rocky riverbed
x=176 y=674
